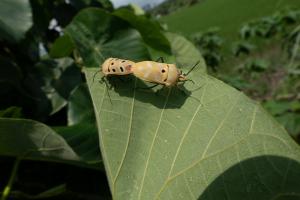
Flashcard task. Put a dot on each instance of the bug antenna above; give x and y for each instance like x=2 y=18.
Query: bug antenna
x=192 y=68
x=190 y=80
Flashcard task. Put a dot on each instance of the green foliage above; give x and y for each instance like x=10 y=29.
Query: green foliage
x=113 y=34
x=268 y=27
x=11 y=112
x=13 y=29
x=287 y=113
x=169 y=6
x=62 y=47
x=281 y=26
x=183 y=142
x=257 y=65
x=210 y=44
x=149 y=29
x=185 y=52
x=229 y=16
x=242 y=47
x=32 y=139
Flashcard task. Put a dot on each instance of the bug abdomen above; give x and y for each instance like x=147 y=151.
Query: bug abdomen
x=151 y=71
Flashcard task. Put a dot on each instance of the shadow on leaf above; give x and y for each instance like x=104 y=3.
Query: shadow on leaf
x=264 y=177
x=159 y=96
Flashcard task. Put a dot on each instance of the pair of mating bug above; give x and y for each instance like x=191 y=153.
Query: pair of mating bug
x=150 y=71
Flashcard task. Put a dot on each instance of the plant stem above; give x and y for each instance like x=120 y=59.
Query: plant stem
x=8 y=187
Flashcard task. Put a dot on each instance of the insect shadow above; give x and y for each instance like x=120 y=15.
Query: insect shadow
x=160 y=96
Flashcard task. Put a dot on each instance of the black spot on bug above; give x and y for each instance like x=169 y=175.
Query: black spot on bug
x=121 y=68
x=108 y=70
x=113 y=70
x=112 y=63
x=165 y=80
x=163 y=71
x=123 y=61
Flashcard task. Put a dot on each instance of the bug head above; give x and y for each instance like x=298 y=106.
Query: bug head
x=175 y=75
x=183 y=76
x=172 y=75
x=116 y=66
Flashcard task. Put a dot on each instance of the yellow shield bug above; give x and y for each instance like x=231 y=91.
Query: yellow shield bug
x=159 y=73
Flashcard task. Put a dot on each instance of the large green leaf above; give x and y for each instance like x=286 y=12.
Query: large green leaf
x=99 y=35
x=31 y=139
x=214 y=144
x=15 y=19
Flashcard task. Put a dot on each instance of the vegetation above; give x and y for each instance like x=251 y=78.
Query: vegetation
x=64 y=134
x=229 y=16
x=169 y=6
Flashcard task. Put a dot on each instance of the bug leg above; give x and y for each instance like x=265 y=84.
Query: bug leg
x=161 y=59
x=95 y=75
x=107 y=87
x=188 y=80
x=104 y=80
x=112 y=82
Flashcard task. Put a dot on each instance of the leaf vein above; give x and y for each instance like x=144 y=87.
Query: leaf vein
x=129 y=134
x=152 y=144
x=219 y=127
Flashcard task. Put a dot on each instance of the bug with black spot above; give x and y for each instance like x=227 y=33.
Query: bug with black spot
x=115 y=66
x=159 y=73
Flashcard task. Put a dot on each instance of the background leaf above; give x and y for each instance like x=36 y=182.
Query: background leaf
x=108 y=39
x=81 y=132
x=83 y=139
x=34 y=140
x=14 y=28
x=185 y=52
x=57 y=77
x=62 y=47
x=11 y=112
x=151 y=32
x=80 y=107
